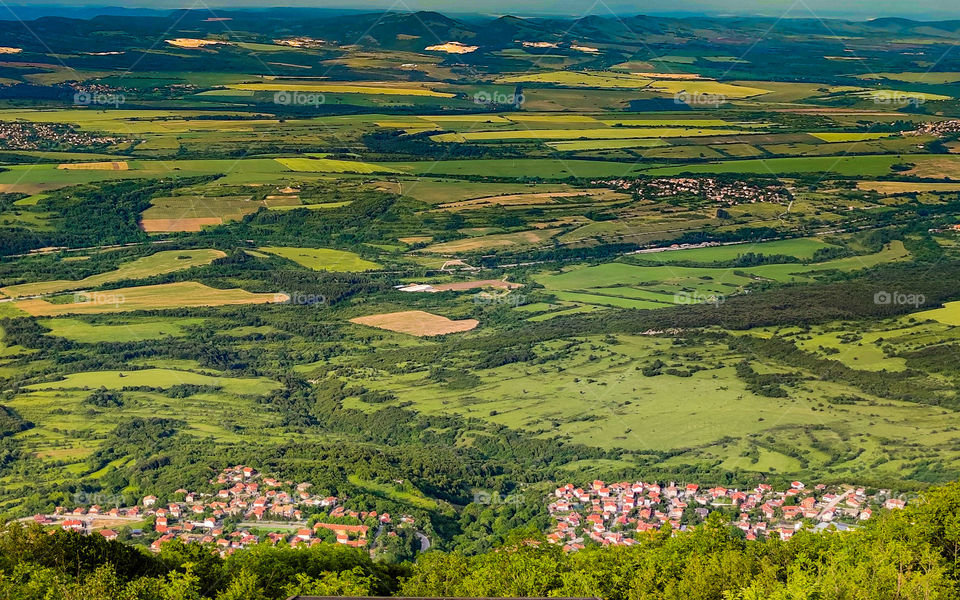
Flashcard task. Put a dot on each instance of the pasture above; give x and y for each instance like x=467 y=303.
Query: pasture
x=949 y=314
x=370 y=88
x=576 y=134
x=442 y=191
x=186 y=294
x=493 y=241
x=853 y=166
x=167 y=261
x=158 y=378
x=906 y=187
x=534 y=199
x=127 y=331
x=544 y=168
x=323 y=259
x=803 y=248
x=603 y=80
x=698 y=90
x=848 y=137
x=576 y=145
x=638 y=286
x=117 y=165
x=601 y=399
x=327 y=165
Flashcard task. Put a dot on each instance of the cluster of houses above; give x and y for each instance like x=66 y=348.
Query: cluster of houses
x=937 y=128
x=543 y=45
x=248 y=508
x=617 y=513
x=226 y=518
x=729 y=192
x=303 y=42
x=39 y=136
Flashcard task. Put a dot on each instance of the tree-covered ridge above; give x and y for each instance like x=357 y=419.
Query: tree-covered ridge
x=908 y=554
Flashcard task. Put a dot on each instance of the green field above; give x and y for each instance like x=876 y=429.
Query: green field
x=606 y=133
x=581 y=79
x=528 y=167
x=323 y=259
x=841 y=165
x=694 y=89
x=587 y=404
x=415 y=498
x=159 y=378
x=308 y=87
x=141 y=268
x=48 y=176
x=929 y=77
x=848 y=137
x=949 y=314
x=327 y=165
x=694 y=285
x=718 y=123
x=801 y=248
x=132 y=331
x=147 y=297
x=606 y=144
x=442 y=191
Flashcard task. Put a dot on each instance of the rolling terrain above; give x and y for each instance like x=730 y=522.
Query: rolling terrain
x=413 y=259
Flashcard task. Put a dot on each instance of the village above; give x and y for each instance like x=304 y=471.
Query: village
x=41 y=136
x=709 y=188
x=249 y=508
x=615 y=514
x=937 y=128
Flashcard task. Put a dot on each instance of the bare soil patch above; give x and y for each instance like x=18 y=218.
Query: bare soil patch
x=480 y=283
x=185 y=224
x=416 y=322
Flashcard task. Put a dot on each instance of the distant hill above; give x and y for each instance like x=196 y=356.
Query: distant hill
x=46 y=30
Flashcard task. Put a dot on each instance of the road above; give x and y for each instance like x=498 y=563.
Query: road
x=833 y=503
x=424 y=541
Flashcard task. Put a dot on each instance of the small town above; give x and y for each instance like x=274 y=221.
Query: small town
x=249 y=508
x=246 y=501
x=302 y=42
x=710 y=188
x=612 y=514
x=937 y=128
x=41 y=136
